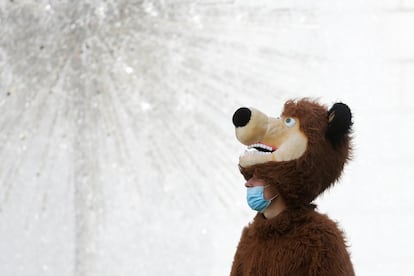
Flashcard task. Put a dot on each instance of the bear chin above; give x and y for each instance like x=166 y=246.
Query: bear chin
x=254 y=157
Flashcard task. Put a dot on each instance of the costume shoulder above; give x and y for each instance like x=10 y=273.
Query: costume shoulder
x=328 y=250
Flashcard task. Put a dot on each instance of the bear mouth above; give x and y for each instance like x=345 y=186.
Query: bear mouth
x=260 y=148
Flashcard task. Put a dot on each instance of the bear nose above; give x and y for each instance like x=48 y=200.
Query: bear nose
x=242 y=117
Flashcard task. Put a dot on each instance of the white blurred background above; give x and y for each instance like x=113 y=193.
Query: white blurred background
x=118 y=156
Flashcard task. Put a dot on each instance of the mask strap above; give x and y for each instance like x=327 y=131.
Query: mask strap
x=276 y=196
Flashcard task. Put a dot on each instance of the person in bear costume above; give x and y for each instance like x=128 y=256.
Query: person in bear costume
x=289 y=161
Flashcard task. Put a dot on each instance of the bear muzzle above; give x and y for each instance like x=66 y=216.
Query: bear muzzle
x=251 y=125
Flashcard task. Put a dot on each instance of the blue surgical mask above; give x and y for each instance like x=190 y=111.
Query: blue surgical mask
x=256 y=200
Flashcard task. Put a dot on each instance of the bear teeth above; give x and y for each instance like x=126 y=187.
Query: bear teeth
x=261 y=148
x=256 y=152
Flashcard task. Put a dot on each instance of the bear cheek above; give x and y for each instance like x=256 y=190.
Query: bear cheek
x=293 y=148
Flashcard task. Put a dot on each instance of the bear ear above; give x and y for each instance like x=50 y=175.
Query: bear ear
x=339 y=124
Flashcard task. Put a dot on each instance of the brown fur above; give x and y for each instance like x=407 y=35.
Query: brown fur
x=299 y=241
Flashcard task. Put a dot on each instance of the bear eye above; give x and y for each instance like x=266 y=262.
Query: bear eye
x=290 y=122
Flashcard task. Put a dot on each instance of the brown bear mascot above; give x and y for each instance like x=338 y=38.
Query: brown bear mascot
x=288 y=162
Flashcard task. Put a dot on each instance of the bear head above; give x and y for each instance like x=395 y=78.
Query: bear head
x=302 y=152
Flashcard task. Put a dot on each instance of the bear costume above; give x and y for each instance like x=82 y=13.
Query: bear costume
x=300 y=154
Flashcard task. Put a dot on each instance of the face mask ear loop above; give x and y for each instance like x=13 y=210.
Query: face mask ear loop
x=276 y=196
